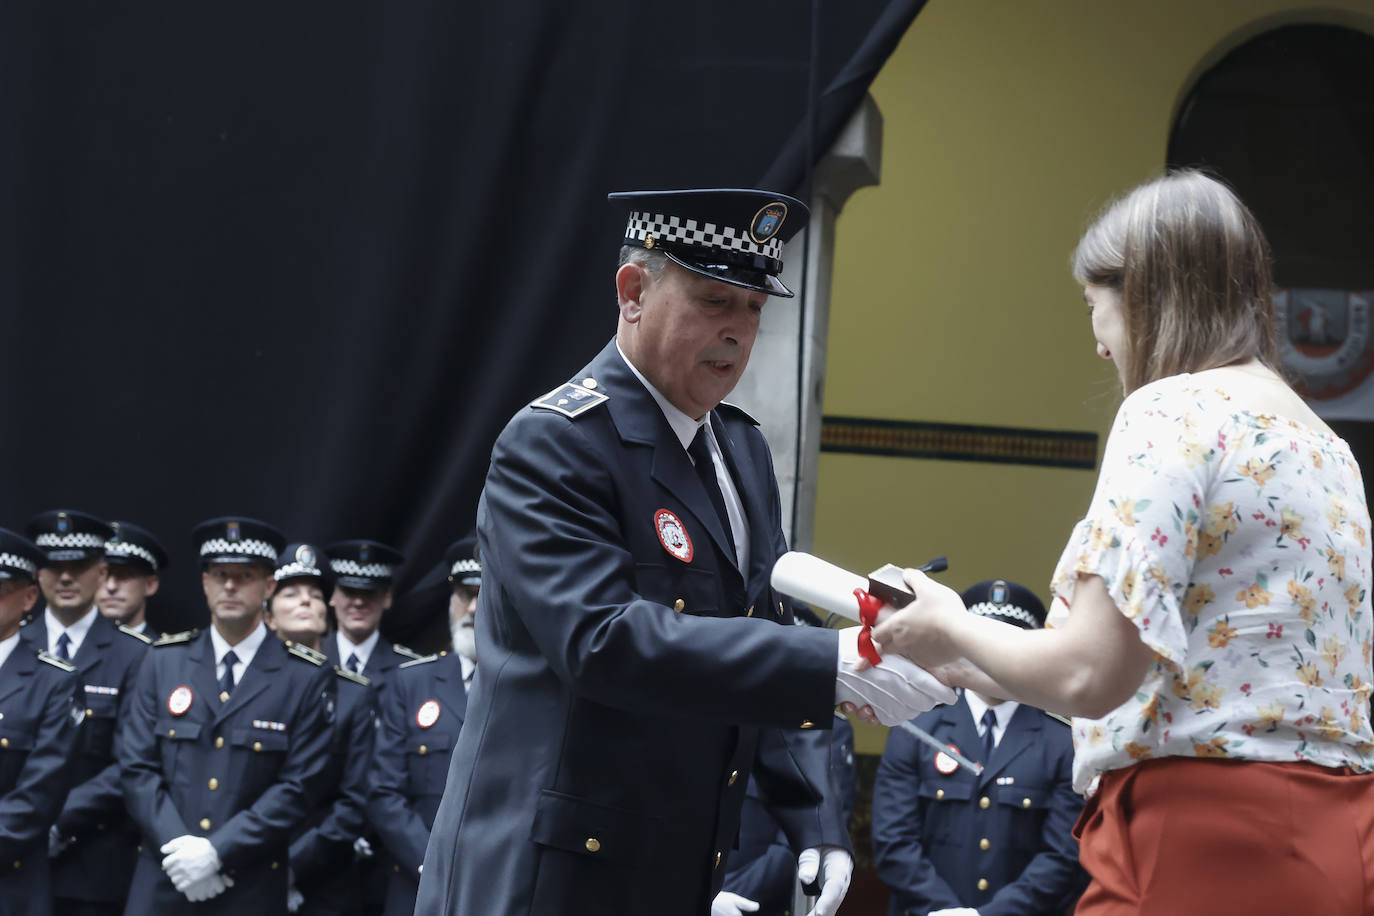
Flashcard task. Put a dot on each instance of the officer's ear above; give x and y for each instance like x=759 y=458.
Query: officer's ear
x=30 y=596
x=152 y=585
x=386 y=600
x=630 y=282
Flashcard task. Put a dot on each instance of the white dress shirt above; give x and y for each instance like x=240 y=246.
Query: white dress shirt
x=363 y=649
x=76 y=633
x=243 y=651
x=1003 y=711
x=7 y=648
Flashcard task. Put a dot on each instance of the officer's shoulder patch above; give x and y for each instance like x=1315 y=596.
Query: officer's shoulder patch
x=130 y=631
x=353 y=676
x=1063 y=720
x=175 y=639
x=55 y=661
x=305 y=653
x=421 y=660
x=571 y=400
x=727 y=407
x=405 y=650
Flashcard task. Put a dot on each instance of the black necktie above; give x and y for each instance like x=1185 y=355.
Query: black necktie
x=63 y=641
x=352 y=663
x=706 y=471
x=989 y=722
x=226 y=683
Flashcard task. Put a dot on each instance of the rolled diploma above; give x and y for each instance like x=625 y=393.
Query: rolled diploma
x=818 y=583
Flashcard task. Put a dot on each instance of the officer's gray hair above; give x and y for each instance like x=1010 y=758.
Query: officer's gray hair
x=652 y=261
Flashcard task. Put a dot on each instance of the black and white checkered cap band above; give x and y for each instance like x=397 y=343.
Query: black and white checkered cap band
x=18 y=562
x=247 y=548
x=465 y=566
x=690 y=232
x=77 y=539
x=297 y=569
x=366 y=570
x=986 y=609
x=126 y=549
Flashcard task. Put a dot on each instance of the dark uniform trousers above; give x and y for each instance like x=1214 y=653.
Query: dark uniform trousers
x=41 y=716
x=1000 y=842
x=321 y=855
x=243 y=772
x=420 y=722
x=631 y=673
x=91 y=875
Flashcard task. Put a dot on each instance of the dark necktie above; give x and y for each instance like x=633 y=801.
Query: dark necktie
x=706 y=471
x=226 y=683
x=63 y=647
x=989 y=722
x=352 y=663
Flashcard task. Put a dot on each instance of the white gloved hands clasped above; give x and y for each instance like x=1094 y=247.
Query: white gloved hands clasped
x=189 y=860
x=294 y=898
x=897 y=689
x=362 y=849
x=728 y=904
x=834 y=867
x=206 y=888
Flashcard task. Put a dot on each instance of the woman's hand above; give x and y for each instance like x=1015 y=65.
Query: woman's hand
x=923 y=630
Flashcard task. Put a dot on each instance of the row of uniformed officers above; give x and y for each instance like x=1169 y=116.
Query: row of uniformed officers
x=263 y=765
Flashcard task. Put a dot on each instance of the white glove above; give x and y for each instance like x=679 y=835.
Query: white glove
x=954 y=911
x=205 y=888
x=728 y=904
x=362 y=849
x=897 y=689
x=294 y=899
x=55 y=842
x=836 y=865
x=190 y=859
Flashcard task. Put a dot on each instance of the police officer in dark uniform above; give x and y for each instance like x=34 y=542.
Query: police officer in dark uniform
x=227 y=744
x=324 y=881
x=93 y=841
x=421 y=718
x=363 y=572
x=42 y=709
x=633 y=670
x=950 y=841
x=134 y=559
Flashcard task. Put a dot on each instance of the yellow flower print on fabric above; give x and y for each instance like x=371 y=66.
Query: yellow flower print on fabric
x=1270 y=717
x=1358 y=531
x=1291 y=524
x=1333 y=651
x=1197 y=690
x=1354 y=596
x=1254 y=596
x=1336 y=562
x=1220 y=634
x=1217 y=748
x=1198 y=596
x=1193 y=453
x=1316 y=457
x=1258 y=470
x=1221 y=518
x=1327 y=726
x=1302 y=597
x=1309 y=675
x=1138 y=751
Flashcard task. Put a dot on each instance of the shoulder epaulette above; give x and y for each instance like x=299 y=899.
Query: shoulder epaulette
x=130 y=631
x=305 y=653
x=735 y=408
x=571 y=400
x=1058 y=718
x=406 y=651
x=420 y=660
x=56 y=662
x=353 y=676
x=175 y=639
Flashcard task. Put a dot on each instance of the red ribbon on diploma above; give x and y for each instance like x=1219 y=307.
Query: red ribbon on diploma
x=868 y=616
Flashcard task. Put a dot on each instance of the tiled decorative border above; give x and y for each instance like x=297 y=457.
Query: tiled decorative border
x=958 y=442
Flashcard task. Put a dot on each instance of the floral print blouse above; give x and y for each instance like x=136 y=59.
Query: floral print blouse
x=1239 y=544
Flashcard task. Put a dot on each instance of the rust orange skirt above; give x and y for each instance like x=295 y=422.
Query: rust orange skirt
x=1183 y=836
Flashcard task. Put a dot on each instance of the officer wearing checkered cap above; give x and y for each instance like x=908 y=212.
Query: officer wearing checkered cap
x=92 y=840
x=228 y=741
x=42 y=709
x=134 y=560
x=363 y=572
x=950 y=842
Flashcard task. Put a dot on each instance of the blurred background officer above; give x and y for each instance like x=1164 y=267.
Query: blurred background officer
x=134 y=559
x=41 y=711
x=323 y=879
x=421 y=718
x=93 y=840
x=363 y=573
x=227 y=742
x=948 y=841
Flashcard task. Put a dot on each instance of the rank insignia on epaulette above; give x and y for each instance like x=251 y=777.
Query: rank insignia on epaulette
x=406 y=651
x=353 y=676
x=571 y=400
x=130 y=631
x=306 y=653
x=55 y=661
x=421 y=660
x=175 y=639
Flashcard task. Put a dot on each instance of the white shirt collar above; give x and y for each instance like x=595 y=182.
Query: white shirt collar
x=1003 y=711
x=76 y=633
x=363 y=649
x=468 y=666
x=244 y=651
x=7 y=647
x=684 y=427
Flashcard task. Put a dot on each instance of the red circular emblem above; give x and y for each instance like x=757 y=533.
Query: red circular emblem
x=672 y=534
x=179 y=700
x=427 y=714
x=945 y=763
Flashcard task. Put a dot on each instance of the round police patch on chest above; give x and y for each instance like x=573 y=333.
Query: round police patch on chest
x=946 y=764
x=672 y=534
x=427 y=714
x=179 y=700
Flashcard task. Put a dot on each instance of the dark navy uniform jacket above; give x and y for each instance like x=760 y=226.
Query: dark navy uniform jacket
x=420 y=721
x=99 y=858
x=381 y=664
x=41 y=715
x=322 y=849
x=242 y=773
x=625 y=689
x=936 y=835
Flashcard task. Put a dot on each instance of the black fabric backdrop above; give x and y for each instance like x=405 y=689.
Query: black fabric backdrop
x=302 y=261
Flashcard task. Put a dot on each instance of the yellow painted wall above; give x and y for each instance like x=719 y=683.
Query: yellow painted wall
x=1007 y=125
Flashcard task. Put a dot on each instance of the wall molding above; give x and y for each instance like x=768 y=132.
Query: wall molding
x=959 y=442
